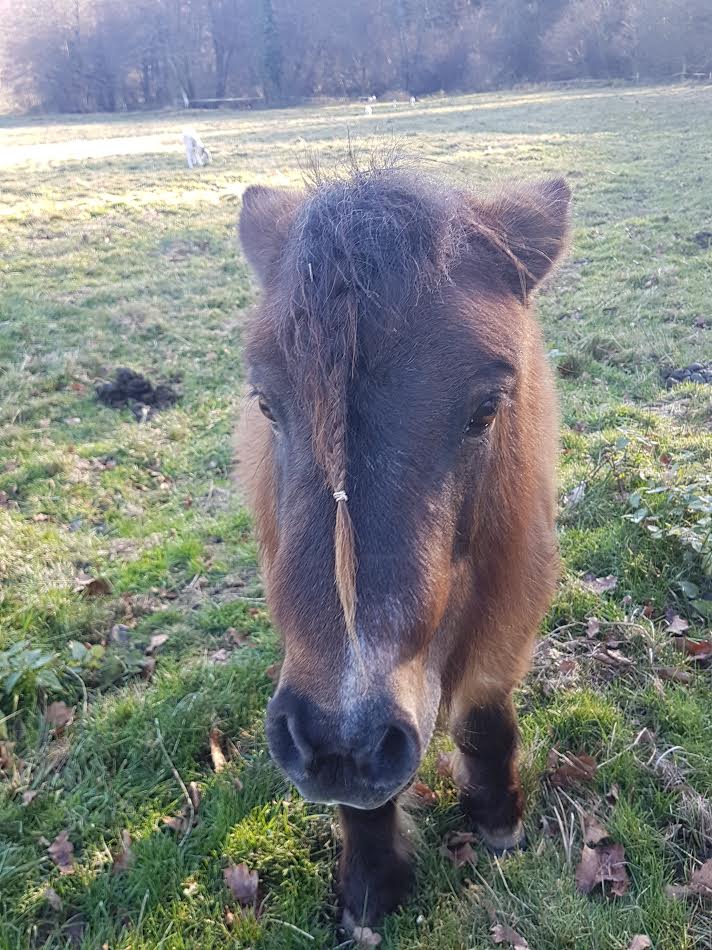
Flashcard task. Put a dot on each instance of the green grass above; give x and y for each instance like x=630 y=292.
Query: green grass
x=113 y=254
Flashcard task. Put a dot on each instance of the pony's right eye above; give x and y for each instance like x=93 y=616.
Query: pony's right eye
x=265 y=409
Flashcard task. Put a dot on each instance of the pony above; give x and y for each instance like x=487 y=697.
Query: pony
x=398 y=454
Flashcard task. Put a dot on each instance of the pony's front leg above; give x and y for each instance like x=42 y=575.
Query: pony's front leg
x=375 y=869
x=485 y=769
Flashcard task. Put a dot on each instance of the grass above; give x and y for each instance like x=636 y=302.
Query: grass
x=113 y=254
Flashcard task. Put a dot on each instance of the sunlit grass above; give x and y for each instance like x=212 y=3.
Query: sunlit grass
x=113 y=254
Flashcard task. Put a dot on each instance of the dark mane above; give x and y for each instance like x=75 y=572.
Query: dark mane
x=360 y=253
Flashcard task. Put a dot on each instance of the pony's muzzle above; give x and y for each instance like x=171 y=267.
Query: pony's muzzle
x=361 y=759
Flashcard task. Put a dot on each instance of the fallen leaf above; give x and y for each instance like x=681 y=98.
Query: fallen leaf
x=640 y=942
x=593 y=831
x=365 y=937
x=175 y=823
x=700 y=884
x=52 y=898
x=242 y=883
x=575 y=496
x=216 y=753
x=148 y=667
x=229 y=918
x=91 y=586
x=567 y=665
x=501 y=933
x=698 y=650
x=424 y=793
x=458 y=849
x=191 y=888
x=611 y=657
x=673 y=674
x=576 y=768
x=592 y=627
x=59 y=715
x=272 y=672
x=239 y=639
x=29 y=796
x=156 y=642
x=613 y=794
x=445 y=763
x=601 y=865
x=62 y=853
x=124 y=857
x=677 y=625
x=194 y=792
x=599 y=585
x=220 y=656
x=40 y=516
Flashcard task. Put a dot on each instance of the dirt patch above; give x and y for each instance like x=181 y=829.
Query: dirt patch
x=134 y=390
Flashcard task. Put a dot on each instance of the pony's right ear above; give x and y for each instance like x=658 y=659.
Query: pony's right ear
x=266 y=216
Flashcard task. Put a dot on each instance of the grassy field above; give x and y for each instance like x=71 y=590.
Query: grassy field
x=119 y=537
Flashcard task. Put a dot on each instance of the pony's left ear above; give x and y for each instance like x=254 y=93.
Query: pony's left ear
x=265 y=219
x=530 y=225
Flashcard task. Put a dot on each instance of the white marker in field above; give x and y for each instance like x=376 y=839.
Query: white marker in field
x=195 y=152
x=368 y=110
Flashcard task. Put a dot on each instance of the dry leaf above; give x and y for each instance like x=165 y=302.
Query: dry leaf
x=157 y=641
x=424 y=793
x=194 y=792
x=613 y=794
x=148 y=667
x=611 y=657
x=62 y=853
x=576 y=768
x=567 y=665
x=677 y=625
x=242 y=883
x=673 y=674
x=445 y=763
x=365 y=937
x=601 y=865
x=592 y=627
x=239 y=639
x=272 y=672
x=599 y=585
x=124 y=857
x=640 y=942
x=593 y=831
x=29 y=796
x=91 y=586
x=501 y=933
x=458 y=849
x=219 y=656
x=52 y=898
x=216 y=753
x=59 y=715
x=700 y=884
x=698 y=650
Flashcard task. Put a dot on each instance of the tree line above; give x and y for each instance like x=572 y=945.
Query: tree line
x=111 y=55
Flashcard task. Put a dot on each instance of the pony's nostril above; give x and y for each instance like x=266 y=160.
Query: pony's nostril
x=301 y=743
x=396 y=751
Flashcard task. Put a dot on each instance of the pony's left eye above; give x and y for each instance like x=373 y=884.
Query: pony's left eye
x=483 y=417
x=265 y=409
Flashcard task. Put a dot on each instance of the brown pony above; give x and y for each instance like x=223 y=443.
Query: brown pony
x=399 y=458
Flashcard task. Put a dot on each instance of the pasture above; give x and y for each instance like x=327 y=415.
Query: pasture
x=129 y=591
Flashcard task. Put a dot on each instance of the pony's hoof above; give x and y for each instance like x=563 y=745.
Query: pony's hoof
x=502 y=840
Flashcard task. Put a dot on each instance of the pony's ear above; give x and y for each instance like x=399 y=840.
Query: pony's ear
x=265 y=218
x=529 y=224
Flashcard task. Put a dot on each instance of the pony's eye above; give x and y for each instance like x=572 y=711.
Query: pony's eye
x=483 y=417
x=265 y=409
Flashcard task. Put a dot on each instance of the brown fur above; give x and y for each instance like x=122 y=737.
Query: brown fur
x=390 y=301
